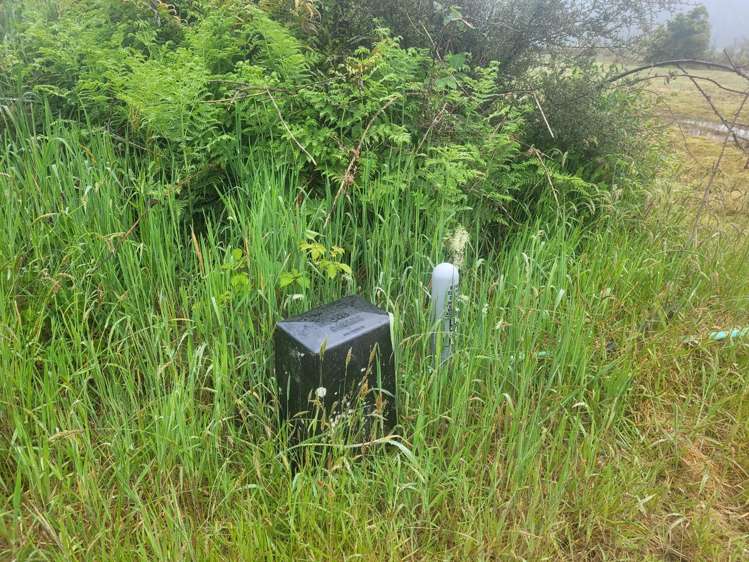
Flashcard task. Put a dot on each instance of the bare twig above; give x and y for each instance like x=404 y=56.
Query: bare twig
x=695 y=79
x=155 y=5
x=715 y=170
x=709 y=100
x=538 y=104
x=675 y=121
x=283 y=122
x=537 y=153
x=198 y=252
x=674 y=76
x=348 y=177
x=245 y=86
x=429 y=129
x=22 y=99
x=677 y=62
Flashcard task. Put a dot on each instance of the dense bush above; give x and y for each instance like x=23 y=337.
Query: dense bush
x=189 y=82
x=602 y=133
x=518 y=33
x=546 y=49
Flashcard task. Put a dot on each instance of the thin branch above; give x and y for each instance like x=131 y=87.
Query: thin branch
x=674 y=76
x=677 y=62
x=154 y=5
x=675 y=121
x=538 y=104
x=245 y=86
x=283 y=122
x=533 y=150
x=429 y=130
x=716 y=111
x=715 y=170
x=348 y=177
x=695 y=81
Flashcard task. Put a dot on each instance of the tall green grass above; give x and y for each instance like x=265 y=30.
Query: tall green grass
x=135 y=417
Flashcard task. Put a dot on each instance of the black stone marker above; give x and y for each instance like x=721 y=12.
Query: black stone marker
x=337 y=361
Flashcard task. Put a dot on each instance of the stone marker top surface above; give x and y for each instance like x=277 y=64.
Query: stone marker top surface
x=334 y=324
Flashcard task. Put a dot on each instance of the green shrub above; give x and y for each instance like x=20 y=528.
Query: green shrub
x=600 y=134
x=202 y=85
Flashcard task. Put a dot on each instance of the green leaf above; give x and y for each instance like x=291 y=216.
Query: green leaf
x=287 y=279
x=315 y=250
x=446 y=82
x=240 y=281
x=456 y=60
x=331 y=268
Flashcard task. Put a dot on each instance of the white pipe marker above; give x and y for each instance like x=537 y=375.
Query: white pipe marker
x=445 y=279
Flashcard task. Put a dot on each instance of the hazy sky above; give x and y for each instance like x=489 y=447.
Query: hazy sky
x=730 y=19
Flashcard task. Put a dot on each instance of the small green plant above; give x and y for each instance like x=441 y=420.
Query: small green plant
x=235 y=264
x=232 y=274
x=325 y=260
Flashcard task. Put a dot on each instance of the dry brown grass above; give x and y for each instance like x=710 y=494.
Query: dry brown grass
x=727 y=200
x=692 y=407
x=677 y=96
x=695 y=455
x=696 y=150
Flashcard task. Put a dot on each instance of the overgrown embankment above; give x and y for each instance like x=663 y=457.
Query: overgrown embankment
x=160 y=215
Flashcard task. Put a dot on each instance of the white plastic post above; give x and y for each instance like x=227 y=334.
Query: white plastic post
x=445 y=279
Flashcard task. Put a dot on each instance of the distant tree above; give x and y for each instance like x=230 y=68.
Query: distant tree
x=686 y=36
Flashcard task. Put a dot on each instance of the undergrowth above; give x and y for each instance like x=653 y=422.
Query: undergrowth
x=135 y=419
x=176 y=178
x=191 y=86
